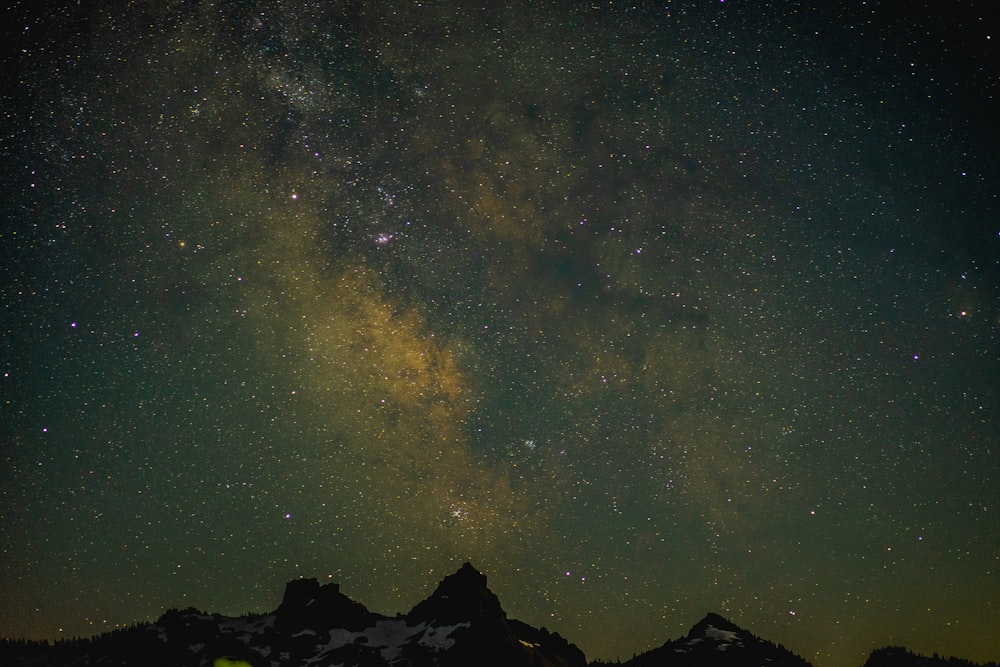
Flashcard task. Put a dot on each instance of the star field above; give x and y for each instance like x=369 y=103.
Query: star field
x=646 y=311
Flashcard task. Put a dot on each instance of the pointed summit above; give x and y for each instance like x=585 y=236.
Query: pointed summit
x=465 y=608
x=460 y=597
x=711 y=618
x=715 y=640
x=468 y=573
x=722 y=632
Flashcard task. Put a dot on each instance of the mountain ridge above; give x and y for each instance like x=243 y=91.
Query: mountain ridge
x=460 y=623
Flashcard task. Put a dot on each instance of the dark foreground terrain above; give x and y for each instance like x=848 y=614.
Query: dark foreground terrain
x=460 y=624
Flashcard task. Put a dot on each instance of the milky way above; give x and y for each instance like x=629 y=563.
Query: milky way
x=646 y=312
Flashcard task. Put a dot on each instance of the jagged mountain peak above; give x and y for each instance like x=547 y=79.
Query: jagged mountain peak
x=468 y=570
x=306 y=602
x=467 y=575
x=461 y=623
x=462 y=596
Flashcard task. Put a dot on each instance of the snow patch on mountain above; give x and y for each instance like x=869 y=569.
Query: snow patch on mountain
x=713 y=632
x=389 y=637
x=439 y=638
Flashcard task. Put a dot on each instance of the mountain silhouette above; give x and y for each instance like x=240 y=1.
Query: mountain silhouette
x=896 y=656
x=716 y=641
x=461 y=624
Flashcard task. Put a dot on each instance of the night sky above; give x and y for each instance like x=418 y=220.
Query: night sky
x=646 y=311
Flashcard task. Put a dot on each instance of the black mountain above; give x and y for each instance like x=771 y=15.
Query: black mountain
x=460 y=624
x=714 y=641
x=895 y=656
